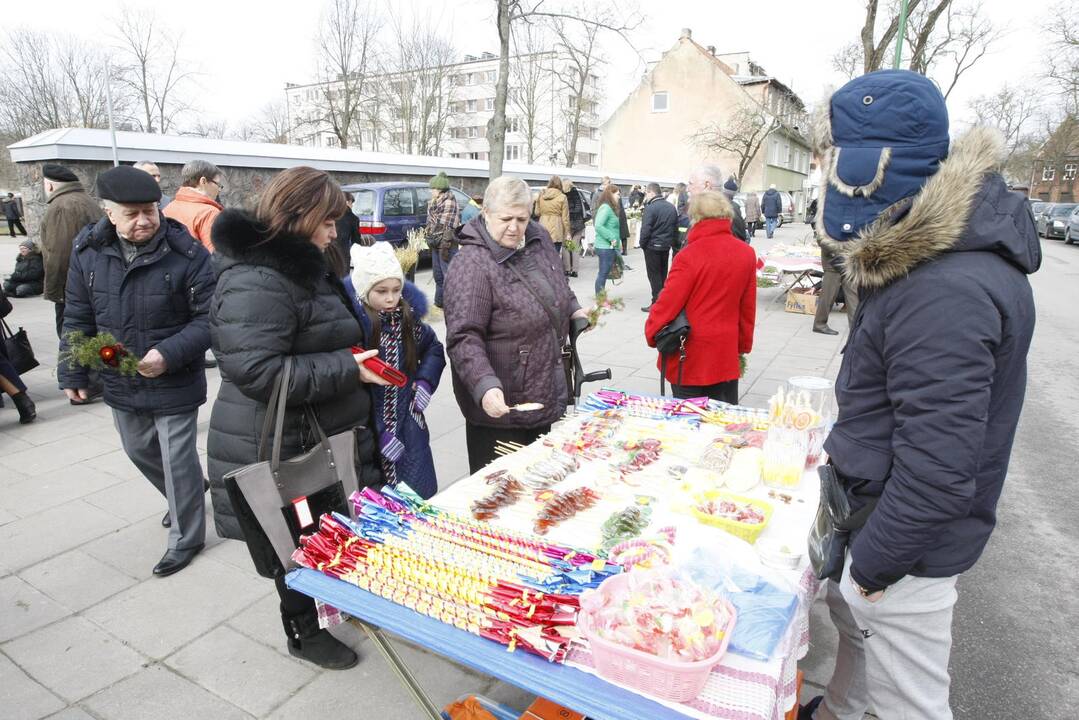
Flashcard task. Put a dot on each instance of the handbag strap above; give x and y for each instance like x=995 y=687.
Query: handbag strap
x=6 y=331
x=275 y=418
x=532 y=290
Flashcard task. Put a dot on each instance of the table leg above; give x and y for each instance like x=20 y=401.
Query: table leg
x=403 y=673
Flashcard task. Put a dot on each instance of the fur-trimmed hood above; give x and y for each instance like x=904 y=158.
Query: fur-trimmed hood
x=240 y=239
x=964 y=206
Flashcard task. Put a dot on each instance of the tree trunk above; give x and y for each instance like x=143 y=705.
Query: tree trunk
x=496 y=126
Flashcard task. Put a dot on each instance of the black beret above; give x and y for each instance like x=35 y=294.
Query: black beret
x=58 y=173
x=128 y=185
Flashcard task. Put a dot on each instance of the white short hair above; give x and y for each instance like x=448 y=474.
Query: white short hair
x=506 y=191
x=712 y=173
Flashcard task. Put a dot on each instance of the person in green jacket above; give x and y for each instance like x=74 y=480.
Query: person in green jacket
x=608 y=233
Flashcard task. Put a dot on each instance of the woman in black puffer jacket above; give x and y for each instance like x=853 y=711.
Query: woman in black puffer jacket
x=276 y=297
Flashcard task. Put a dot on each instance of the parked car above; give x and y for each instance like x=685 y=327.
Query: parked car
x=1041 y=213
x=1071 y=227
x=1057 y=220
x=388 y=210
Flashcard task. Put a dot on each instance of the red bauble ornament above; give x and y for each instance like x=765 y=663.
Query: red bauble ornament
x=108 y=355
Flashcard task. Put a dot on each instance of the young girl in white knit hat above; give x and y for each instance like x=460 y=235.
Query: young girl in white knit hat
x=394 y=326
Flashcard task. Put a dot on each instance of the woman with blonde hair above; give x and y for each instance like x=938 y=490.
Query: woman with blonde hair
x=552 y=211
x=714 y=280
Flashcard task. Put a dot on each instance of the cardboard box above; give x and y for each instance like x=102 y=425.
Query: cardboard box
x=800 y=301
x=543 y=709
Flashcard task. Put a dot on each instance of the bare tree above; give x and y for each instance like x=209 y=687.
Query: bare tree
x=346 y=46
x=1062 y=58
x=1010 y=110
x=152 y=69
x=742 y=135
x=579 y=50
x=509 y=14
x=875 y=52
x=848 y=60
x=417 y=88
x=529 y=70
x=215 y=129
x=270 y=125
x=50 y=81
x=964 y=38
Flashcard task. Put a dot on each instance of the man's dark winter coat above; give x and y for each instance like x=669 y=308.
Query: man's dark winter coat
x=771 y=203
x=160 y=301
x=275 y=299
x=28 y=277
x=498 y=335
x=659 y=225
x=934 y=374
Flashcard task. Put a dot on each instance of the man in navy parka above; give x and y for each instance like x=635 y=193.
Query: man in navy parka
x=932 y=380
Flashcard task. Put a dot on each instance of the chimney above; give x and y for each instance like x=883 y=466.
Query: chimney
x=686 y=33
x=712 y=50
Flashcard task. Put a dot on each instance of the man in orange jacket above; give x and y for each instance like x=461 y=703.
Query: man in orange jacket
x=195 y=204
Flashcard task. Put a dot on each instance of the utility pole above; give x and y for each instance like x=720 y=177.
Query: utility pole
x=108 y=105
x=901 y=35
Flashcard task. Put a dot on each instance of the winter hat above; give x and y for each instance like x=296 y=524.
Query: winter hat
x=29 y=245
x=373 y=264
x=58 y=173
x=128 y=185
x=887 y=134
x=730 y=185
x=440 y=181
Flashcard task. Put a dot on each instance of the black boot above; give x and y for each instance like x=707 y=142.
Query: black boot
x=307 y=641
x=27 y=409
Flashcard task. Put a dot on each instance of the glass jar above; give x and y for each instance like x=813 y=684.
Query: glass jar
x=785 y=450
x=814 y=397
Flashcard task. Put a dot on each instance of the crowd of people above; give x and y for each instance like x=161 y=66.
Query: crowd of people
x=929 y=394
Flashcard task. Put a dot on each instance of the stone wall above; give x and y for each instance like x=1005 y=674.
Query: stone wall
x=242 y=185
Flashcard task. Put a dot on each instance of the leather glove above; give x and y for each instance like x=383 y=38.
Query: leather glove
x=421 y=396
x=392 y=449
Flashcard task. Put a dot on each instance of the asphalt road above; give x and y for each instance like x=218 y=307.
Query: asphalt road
x=1016 y=652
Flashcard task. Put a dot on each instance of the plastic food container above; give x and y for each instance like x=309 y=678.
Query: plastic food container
x=746 y=531
x=667 y=679
x=779 y=554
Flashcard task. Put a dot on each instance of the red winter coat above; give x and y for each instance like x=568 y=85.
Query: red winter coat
x=715 y=280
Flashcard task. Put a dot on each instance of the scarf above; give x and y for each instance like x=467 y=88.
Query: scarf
x=389 y=344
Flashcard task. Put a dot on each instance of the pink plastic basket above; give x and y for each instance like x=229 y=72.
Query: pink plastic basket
x=667 y=679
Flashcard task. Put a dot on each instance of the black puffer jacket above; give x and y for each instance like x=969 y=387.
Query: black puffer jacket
x=159 y=301
x=659 y=225
x=274 y=300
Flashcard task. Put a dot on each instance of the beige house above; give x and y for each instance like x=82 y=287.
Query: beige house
x=691 y=88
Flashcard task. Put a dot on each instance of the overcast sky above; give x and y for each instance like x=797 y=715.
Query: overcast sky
x=246 y=50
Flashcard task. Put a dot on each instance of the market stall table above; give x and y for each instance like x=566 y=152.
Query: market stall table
x=803 y=263
x=738 y=687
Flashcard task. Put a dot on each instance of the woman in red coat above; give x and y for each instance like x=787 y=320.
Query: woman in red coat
x=714 y=278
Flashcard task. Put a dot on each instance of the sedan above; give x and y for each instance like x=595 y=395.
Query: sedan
x=1057 y=220
x=1071 y=229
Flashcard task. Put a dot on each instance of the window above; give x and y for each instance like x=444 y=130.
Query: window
x=398 y=202
x=586 y=158
x=489 y=104
x=1049 y=172
x=470 y=105
x=473 y=131
x=492 y=76
x=660 y=102
x=364 y=203
x=513 y=124
x=1069 y=172
x=513 y=152
x=331 y=141
x=456 y=107
x=473 y=156
x=423 y=196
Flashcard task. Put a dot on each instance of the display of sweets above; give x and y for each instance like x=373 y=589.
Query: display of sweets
x=731 y=510
x=562 y=506
x=659 y=614
x=625 y=525
x=506 y=491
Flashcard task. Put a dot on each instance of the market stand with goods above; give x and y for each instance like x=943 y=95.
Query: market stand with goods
x=645 y=559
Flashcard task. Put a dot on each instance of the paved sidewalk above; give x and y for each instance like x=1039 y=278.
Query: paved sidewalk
x=87 y=632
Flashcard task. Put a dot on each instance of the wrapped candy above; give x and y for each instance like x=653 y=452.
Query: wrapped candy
x=731 y=510
x=562 y=506
x=506 y=491
x=658 y=613
x=641 y=455
x=625 y=525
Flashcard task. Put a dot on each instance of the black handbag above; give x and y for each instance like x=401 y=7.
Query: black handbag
x=830 y=533
x=19 y=351
x=671 y=339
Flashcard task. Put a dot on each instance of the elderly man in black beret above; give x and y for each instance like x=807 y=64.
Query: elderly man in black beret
x=143 y=279
x=69 y=210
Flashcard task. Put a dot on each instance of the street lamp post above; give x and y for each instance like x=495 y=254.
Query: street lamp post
x=901 y=35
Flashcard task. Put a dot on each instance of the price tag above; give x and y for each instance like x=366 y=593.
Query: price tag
x=303 y=512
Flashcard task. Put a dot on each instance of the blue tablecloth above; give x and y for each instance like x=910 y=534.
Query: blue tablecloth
x=579 y=691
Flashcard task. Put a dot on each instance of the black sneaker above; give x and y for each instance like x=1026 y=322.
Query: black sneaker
x=806 y=711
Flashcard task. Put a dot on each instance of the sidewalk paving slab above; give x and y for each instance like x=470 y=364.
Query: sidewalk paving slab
x=23 y=698
x=76 y=579
x=159 y=693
